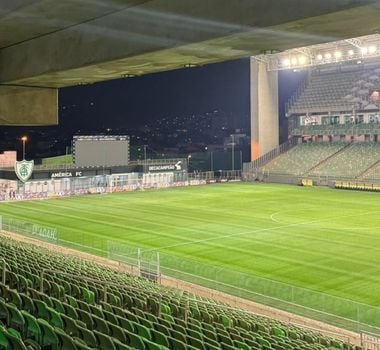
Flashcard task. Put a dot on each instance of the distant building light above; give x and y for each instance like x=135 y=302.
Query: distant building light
x=286 y=62
x=351 y=52
x=319 y=57
x=328 y=56
x=337 y=54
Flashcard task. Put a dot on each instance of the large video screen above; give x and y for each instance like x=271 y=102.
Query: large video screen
x=101 y=152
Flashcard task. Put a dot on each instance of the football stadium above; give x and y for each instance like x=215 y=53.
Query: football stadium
x=102 y=251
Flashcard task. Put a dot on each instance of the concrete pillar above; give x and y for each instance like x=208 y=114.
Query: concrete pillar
x=21 y=105
x=264 y=109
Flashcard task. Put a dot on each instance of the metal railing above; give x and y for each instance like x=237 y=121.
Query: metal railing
x=267 y=157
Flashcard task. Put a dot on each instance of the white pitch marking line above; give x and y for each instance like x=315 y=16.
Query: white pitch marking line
x=272 y=217
x=257 y=231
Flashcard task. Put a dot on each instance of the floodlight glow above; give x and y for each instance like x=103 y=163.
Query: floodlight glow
x=302 y=60
x=341 y=51
x=372 y=49
x=286 y=62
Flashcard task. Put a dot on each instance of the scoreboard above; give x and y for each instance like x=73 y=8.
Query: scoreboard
x=94 y=151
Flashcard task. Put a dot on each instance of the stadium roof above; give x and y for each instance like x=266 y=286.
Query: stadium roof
x=52 y=43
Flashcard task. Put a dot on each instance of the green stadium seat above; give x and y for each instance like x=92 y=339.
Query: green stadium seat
x=84 y=324
x=176 y=344
x=241 y=345
x=104 y=341
x=118 y=333
x=57 y=305
x=14 y=297
x=225 y=346
x=3 y=291
x=65 y=341
x=87 y=336
x=121 y=346
x=125 y=324
x=4 y=341
x=135 y=341
x=85 y=317
x=49 y=338
x=31 y=329
x=143 y=331
x=97 y=311
x=42 y=310
x=4 y=313
x=80 y=345
x=27 y=303
x=159 y=338
x=278 y=332
x=72 y=301
x=198 y=344
x=16 y=318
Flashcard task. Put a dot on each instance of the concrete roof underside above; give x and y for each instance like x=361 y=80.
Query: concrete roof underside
x=54 y=43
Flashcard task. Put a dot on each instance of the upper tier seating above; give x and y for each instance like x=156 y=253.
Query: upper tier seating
x=54 y=310
x=336 y=91
x=301 y=158
x=338 y=129
x=351 y=162
x=325 y=92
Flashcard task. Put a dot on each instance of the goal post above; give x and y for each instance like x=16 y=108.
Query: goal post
x=144 y=263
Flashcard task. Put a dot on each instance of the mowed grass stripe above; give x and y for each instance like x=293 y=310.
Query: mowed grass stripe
x=165 y=223
x=98 y=223
x=230 y=226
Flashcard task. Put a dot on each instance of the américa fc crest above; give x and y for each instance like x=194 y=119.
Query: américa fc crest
x=24 y=169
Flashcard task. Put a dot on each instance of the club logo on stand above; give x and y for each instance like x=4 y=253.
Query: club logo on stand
x=24 y=169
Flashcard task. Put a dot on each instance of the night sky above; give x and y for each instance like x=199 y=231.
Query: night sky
x=132 y=102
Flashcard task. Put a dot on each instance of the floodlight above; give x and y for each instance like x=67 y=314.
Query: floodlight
x=372 y=49
x=364 y=50
x=302 y=60
x=338 y=54
x=294 y=61
x=319 y=57
x=328 y=55
x=286 y=62
x=351 y=52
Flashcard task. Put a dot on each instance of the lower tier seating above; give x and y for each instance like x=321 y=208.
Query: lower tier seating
x=301 y=158
x=352 y=162
x=53 y=301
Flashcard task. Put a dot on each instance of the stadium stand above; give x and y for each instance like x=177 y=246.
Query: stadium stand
x=303 y=157
x=351 y=162
x=335 y=92
x=68 y=307
x=324 y=93
x=372 y=173
x=338 y=129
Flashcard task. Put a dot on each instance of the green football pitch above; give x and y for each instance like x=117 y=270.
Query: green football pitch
x=320 y=239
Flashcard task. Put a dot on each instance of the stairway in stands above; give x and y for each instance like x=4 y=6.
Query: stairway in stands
x=371 y=173
x=324 y=161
